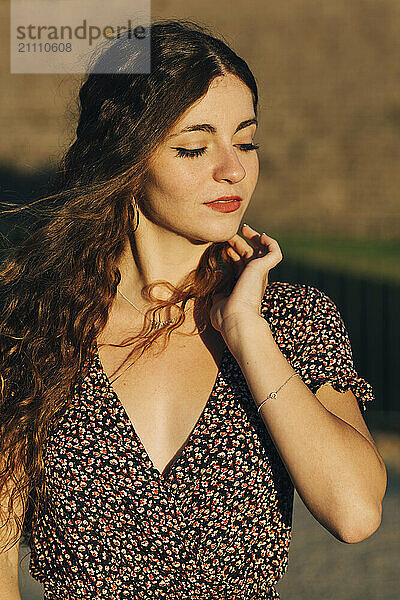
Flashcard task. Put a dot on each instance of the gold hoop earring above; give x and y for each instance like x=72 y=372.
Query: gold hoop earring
x=136 y=212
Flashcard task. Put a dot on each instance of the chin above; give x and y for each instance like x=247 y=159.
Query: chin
x=216 y=232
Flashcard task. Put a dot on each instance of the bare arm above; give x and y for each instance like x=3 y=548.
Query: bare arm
x=9 y=588
x=336 y=469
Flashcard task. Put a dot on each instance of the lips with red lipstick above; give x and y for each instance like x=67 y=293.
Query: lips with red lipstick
x=225 y=204
x=225 y=199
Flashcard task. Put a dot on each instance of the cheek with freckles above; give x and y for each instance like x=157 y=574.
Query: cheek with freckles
x=174 y=181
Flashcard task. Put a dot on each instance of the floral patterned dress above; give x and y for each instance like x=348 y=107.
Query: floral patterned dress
x=218 y=524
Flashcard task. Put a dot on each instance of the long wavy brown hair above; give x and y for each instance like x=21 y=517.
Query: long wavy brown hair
x=57 y=285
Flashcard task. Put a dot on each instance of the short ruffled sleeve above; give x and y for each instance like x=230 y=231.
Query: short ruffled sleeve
x=323 y=352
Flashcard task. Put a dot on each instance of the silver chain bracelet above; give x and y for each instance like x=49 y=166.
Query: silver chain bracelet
x=274 y=394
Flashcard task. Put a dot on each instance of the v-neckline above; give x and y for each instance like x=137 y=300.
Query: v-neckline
x=161 y=476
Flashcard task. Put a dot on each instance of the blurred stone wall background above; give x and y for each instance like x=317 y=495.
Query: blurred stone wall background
x=328 y=73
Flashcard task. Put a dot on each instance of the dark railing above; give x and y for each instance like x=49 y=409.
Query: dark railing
x=371 y=313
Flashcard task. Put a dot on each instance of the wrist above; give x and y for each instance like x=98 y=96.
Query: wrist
x=239 y=333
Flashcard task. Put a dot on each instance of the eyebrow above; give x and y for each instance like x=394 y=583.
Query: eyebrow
x=211 y=129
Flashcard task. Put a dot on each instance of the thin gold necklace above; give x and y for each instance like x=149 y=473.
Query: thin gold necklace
x=156 y=324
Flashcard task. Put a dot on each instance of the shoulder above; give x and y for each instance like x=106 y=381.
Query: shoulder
x=287 y=307
x=297 y=311
x=282 y=297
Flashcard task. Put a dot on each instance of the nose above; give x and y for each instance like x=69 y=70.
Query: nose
x=228 y=166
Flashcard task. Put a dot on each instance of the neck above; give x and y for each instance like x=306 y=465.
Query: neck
x=155 y=254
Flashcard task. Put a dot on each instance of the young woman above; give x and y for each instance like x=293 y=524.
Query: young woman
x=154 y=440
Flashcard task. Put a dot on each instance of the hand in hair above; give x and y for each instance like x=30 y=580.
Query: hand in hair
x=252 y=266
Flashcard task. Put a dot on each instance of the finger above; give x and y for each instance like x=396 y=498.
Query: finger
x=274 y=250
x=236 y=259
x=268 y=241
x=241 y=246
x=233 y=254
x=264 y=241
x=254 y=236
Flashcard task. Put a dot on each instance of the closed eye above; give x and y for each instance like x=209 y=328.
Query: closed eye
x=195 y=152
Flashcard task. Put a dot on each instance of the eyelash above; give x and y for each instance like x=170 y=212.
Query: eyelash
x=183 y=152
